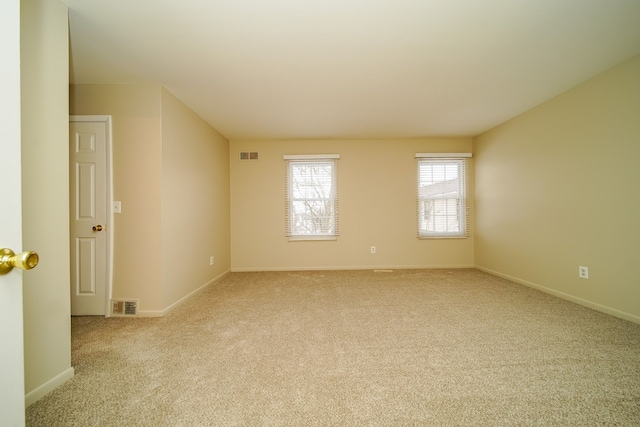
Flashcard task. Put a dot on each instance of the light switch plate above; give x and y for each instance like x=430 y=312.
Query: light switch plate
x=117 y=207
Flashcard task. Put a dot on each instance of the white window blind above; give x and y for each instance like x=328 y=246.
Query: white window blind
x=442 y=195
x=311 y=195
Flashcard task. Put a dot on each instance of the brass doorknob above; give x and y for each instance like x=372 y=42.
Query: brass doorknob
x=24 y=260
x=97 y=228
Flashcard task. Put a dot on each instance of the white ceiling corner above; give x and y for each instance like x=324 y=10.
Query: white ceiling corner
x=293 y=69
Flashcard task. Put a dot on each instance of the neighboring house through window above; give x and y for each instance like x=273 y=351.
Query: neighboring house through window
x=442 y=195
x=311 y=197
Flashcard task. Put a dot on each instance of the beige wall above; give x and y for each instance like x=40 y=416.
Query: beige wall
x=557 y=187
x=377 y=182
x=45 y=193
x=195 y=201
x=137 y=183
x=170 y=171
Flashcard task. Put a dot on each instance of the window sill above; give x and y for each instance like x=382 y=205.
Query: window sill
x=441 y=237
x=311 y=238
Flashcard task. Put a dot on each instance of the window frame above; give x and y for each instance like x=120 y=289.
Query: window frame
x=460 y=197
x=293 y=161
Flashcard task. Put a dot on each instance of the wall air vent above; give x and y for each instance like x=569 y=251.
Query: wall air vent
x=248 y=155
x=124 y=307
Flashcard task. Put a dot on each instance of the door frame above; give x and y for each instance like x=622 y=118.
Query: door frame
x=109 y=197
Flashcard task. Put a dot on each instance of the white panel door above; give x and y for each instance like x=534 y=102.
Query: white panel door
x=12 y=404
x=88 y=195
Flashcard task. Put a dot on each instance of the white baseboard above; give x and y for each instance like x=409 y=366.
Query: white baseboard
x=149 y=313
x=173 y=306
x=55 y=382
x=599 y=307
x=352 y=267
x=169 y=309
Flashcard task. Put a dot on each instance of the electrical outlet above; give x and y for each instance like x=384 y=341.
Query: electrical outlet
x=373 y=249
x=211 y=260
x=583 y=272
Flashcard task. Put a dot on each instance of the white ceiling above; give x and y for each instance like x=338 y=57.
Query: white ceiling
x=301 y=69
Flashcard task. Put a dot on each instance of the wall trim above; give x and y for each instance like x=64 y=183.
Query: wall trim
x=360 y=267
x=173 y=306
x=169 y=309
x=590 y=304
x=44 y=389
x=149 y=313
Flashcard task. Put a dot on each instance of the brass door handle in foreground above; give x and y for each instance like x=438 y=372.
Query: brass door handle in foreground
x=24 y=260
x=97 y=228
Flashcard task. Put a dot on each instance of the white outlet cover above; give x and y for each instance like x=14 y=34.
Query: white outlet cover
x=117 y=207
x=583 y=272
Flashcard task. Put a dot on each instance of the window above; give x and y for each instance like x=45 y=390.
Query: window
x=312 y=197
x=442 y=195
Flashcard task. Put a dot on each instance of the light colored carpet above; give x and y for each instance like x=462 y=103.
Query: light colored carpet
x=412 y=347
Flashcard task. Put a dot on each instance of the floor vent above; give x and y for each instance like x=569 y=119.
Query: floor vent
x=124 y=307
